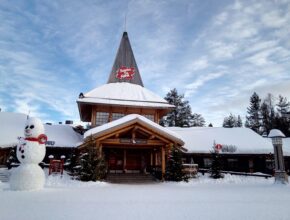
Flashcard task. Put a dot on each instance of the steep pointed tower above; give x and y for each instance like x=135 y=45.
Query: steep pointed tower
x=125 y=68
x=123 y=94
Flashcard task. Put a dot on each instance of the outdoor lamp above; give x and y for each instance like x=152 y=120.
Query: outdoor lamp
x=280 y=174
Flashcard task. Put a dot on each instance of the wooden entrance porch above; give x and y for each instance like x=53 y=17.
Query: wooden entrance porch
x=134 y=146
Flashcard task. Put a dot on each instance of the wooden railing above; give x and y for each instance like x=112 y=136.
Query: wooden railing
x=203 y=171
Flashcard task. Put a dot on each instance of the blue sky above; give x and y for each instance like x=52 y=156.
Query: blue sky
x=217 y=53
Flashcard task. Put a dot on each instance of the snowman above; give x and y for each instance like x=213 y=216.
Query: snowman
x=30 y=152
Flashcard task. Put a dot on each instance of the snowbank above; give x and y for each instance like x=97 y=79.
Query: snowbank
x=232 y=198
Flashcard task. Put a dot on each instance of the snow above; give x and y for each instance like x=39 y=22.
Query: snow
x=126 y=94
x=231 y=198
x=131 y=119
x=201 y=139
x=276 y=133
x=12 y=126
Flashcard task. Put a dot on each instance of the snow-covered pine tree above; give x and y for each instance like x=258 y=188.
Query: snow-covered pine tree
x=71 y=164
x=174 y=166
x=182 y=115
x=267 y=116
x=216 y=165
x=282 y=122
x=197 y=120
x=230 y=121
x=12 y=158
x=239 y=122
x=92 y=165
x=253 y=119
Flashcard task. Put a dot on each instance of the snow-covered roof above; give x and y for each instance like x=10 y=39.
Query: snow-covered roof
x=131 y=119
x=244 y=140
x=125 y=94
x=62 y=136
x=276 y=133
x=12 y=126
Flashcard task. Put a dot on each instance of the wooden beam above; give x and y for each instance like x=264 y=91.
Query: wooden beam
x=117 y=141
x=152 y=132
x=124 y=160
x=151 y=137
x=110 y=133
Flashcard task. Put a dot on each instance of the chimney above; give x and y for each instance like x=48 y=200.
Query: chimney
x=68 y=122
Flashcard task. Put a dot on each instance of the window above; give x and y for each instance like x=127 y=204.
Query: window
x=150 y=117
x=207 y=162
x=102 y=118
x=116 y=116
x=233 y=164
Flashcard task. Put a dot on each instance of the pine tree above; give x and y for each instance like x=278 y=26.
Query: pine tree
x=239 y=122
x=210 y=125
x=12 y=158
x=181 y=115
x=197 y=120
x=216 y=165
x=174 y=166
x=230 y=121
x=253 y=118
x=267 y=117
x=92 y=165
x=282 y=122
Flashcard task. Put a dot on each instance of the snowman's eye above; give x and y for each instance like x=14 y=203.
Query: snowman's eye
x=26 y=127
x=31 y=126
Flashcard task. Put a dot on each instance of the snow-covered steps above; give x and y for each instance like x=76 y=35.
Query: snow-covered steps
x=130 y=178
x=4 y=175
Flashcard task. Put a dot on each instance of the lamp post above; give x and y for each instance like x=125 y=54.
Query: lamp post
x=280 y=174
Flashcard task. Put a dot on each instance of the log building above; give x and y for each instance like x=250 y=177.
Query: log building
x=125 y=116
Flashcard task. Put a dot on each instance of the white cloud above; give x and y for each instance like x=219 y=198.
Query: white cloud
x=194 y=86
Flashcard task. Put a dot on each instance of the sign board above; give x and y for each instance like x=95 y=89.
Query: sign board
x=125 y=72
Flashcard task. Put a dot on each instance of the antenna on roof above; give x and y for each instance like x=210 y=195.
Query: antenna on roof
x=125 y=24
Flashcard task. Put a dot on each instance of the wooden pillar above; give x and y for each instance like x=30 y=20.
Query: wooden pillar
x=163 y=162
x=93 y=117
x=151 y=158
x=100 y=150
x=124 y=160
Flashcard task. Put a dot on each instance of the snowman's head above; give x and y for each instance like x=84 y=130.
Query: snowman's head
x=33 y=127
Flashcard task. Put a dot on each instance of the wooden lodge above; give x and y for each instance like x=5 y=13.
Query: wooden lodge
x=124 y=119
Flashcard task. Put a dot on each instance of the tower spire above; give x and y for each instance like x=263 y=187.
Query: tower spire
x=125 y=68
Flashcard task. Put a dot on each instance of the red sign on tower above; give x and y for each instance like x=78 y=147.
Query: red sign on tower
x=125 y=72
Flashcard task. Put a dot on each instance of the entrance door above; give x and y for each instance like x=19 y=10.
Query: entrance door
x=137 y=160
x=133 y=160
x=115 y=160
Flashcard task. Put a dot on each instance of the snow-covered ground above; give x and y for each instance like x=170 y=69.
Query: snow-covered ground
x=231 y=198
